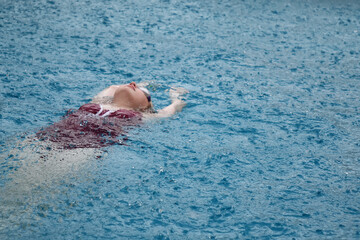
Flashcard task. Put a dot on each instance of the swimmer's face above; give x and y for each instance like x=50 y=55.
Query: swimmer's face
x=131 y=96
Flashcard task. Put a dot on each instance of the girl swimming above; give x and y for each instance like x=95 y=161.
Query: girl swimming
x=64 y=149
x=101 y=122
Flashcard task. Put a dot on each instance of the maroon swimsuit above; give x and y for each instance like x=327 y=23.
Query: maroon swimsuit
x=90 y=126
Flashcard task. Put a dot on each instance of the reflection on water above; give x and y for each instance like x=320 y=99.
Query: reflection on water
x=35 y=173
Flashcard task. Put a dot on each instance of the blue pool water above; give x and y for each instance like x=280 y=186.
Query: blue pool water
x=267 y=147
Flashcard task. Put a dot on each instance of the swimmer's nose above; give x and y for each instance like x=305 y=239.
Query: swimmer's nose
x=133 y=84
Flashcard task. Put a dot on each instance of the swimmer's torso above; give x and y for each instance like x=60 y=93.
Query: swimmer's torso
x=91 y=126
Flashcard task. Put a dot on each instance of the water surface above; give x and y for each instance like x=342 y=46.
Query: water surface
x=267 y=147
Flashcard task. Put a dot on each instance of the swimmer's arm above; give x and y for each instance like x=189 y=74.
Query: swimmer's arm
x=177 y=104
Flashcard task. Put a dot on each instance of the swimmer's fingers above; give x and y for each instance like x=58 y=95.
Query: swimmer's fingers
x=181 y=90
x=177 y=92
x=173 y=94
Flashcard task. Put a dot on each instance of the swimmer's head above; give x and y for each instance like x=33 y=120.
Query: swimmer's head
x=134 y=97
x=146 y=93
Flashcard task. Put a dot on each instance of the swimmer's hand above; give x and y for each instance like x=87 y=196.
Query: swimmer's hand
x=176 y=93
x=177 y=102
x=178 y=105
x=176 y=96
